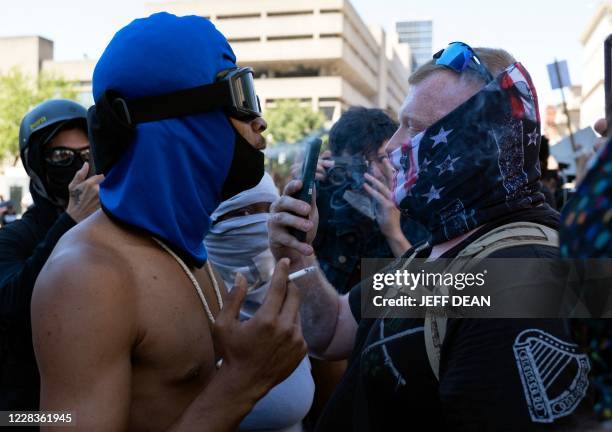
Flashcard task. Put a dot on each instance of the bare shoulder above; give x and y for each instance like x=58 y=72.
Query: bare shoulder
x=84 y=259
x=84 y=327
x=85 y=281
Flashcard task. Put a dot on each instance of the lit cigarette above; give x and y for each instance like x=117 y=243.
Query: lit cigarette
x=299 y=274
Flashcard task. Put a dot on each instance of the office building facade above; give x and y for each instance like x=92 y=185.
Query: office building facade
x=317 y=51
x=418 y=35
x=593 y=37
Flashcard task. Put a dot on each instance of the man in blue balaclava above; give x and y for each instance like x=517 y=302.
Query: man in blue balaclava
x=132 y=328
x=465 y=158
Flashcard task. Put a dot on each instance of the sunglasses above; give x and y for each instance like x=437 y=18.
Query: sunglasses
x=459 y=56
x=64 y=156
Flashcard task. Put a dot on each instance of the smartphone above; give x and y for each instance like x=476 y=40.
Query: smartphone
x=608 y=83
x=309 y=169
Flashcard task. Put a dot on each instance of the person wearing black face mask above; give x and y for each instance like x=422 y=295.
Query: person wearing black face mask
x=54 y=150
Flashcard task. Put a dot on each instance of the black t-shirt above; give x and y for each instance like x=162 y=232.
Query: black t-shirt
x=484 y=384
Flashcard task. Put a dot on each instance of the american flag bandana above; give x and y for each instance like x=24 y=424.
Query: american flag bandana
x=404 y=160
x=477 y=163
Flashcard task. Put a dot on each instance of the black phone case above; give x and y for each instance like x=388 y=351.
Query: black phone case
x=309 y=169
x=608 y=83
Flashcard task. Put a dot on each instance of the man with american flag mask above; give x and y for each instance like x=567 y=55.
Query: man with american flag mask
x=464 y=163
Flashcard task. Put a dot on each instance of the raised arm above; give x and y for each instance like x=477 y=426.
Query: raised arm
x=387 y=212
x=327 y=323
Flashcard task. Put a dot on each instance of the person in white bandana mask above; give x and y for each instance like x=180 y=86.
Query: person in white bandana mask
x=238 y=243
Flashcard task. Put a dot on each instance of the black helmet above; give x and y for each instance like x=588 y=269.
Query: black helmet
x=42 y=123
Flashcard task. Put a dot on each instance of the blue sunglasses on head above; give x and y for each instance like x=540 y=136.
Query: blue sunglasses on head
x=459 y=56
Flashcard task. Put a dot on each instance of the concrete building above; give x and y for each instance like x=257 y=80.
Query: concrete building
x=77 y=72
x=317 y=51
x=418 y=35
x=592 y=39
x=25 y=53
x=31 y=55
x=34 y=54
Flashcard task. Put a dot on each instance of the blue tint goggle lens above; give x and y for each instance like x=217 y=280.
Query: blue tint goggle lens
x=459 y=56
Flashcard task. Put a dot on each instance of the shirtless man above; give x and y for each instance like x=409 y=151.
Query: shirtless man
x=121 y=336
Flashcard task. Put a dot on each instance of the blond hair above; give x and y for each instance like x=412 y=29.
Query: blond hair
x=494 y=59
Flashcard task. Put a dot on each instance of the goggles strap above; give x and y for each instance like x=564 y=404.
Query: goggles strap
x=194 y=100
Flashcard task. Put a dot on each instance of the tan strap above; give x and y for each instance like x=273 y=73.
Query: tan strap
x=513 y=234
x=434 y=331
x=503 y=237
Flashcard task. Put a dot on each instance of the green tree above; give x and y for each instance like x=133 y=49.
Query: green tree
x=18 y=94
x=289 y=122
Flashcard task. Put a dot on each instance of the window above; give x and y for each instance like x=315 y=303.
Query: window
x=289 y=37
x=237 y=16
x=290 y=13
x=261 y=73
x=244 y=39
x=298 y=71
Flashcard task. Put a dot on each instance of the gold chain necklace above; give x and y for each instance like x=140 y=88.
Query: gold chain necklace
x=195 y=283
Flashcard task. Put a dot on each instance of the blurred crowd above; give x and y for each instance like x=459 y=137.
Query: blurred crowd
x=153 y=283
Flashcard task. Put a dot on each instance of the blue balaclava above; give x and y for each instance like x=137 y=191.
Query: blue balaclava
x=170 y=179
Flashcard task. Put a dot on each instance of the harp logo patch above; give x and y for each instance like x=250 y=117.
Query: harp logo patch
x=554 y=374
